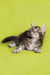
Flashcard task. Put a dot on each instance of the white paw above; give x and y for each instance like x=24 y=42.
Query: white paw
x=12 y=45
x=37 y=51
x=40 y=51
x=15 y=51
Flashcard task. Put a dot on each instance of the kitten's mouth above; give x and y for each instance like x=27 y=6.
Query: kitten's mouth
x=35 y=35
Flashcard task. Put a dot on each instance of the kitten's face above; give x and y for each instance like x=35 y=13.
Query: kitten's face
x=36 y=31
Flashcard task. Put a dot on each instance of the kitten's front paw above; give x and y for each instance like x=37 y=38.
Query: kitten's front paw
x=15 y=51
x=37 y=50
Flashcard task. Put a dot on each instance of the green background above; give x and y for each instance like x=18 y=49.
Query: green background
x=16 y=17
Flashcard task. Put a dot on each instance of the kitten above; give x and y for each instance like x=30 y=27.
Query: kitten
x=31 y=39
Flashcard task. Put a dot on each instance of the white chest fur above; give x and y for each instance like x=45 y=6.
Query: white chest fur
x=32 y=45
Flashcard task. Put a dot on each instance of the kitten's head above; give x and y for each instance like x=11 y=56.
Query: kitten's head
x=36 y=31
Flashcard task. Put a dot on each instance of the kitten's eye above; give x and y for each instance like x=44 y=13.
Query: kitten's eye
x=37 y=30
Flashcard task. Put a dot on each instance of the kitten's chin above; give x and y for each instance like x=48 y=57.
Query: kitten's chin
x=35 y=36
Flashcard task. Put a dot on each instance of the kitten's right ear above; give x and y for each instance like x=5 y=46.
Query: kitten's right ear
x=32 y=24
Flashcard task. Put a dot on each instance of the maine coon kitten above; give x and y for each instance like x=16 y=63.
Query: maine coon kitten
x=31 y=39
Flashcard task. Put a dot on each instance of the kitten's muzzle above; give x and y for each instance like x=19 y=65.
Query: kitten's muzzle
x=34 y=32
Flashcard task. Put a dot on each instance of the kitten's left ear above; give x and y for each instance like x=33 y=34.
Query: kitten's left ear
x=32 y=24
x=43 y=28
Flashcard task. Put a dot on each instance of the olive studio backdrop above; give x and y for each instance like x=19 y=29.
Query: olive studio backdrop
x=16 y=17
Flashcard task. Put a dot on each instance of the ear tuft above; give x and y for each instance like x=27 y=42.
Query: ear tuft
x=32 y=24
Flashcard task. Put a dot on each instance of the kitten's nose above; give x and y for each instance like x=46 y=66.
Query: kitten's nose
x=34 y=31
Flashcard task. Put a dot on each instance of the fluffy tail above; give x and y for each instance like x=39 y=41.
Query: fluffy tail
x=9 y=39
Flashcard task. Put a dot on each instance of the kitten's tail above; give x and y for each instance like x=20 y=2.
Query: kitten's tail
x=11 y=38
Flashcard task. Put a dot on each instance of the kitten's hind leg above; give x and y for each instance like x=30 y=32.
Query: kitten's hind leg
x=37 y=50
x=12 y=44
x=18 y=49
